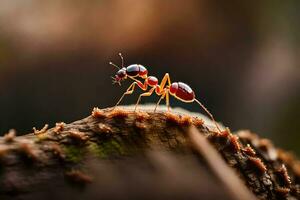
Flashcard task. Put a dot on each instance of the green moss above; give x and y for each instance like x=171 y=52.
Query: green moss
x=108 y=148
x=73 y=153
x=120 y=149
x=97 y=150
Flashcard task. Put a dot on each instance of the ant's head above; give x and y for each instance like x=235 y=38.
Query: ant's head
x=121 y=73
x=120 y=76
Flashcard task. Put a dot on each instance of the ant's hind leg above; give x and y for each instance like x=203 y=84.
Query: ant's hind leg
x=128 y=91
x=146 y=94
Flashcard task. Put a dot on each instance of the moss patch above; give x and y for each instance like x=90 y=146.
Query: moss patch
x=73 y=153
x=108 y=148
x=97 y=150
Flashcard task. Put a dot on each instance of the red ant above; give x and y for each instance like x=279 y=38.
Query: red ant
x=179 y=90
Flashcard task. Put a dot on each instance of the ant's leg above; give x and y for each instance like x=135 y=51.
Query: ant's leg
x=164 y=80
x=161 y=98
x=162 y=89
x=210 y=115
x=168 y=100
x=128 y=91
x=144 y=94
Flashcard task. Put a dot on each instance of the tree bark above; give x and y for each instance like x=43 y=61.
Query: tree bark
x=121 y=154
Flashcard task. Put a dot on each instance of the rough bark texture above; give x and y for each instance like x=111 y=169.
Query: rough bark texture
x=121 y=154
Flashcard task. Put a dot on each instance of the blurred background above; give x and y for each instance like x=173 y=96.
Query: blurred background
x=240 y=57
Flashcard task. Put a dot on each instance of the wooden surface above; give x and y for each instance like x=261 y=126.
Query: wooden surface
x=122 y=154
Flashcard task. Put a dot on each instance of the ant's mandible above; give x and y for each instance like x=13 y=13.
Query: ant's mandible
x=179 y=90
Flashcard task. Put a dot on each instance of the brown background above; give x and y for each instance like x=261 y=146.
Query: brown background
x=240 y=57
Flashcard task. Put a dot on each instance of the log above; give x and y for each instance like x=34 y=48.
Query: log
x=122 y=154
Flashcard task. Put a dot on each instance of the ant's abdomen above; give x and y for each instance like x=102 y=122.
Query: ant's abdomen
x=136 y=70
x=182 y=91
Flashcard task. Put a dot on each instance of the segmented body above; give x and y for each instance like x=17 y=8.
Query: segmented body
x=182 y=92
x=152 y=81
x=136 y=70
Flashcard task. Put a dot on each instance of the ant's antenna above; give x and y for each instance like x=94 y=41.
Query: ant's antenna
x=114 y=65
x=122 y=59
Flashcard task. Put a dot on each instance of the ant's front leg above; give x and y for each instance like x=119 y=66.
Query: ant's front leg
x=128 y=91
x=131 y=88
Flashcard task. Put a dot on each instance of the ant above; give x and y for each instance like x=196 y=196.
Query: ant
x=179 y=90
